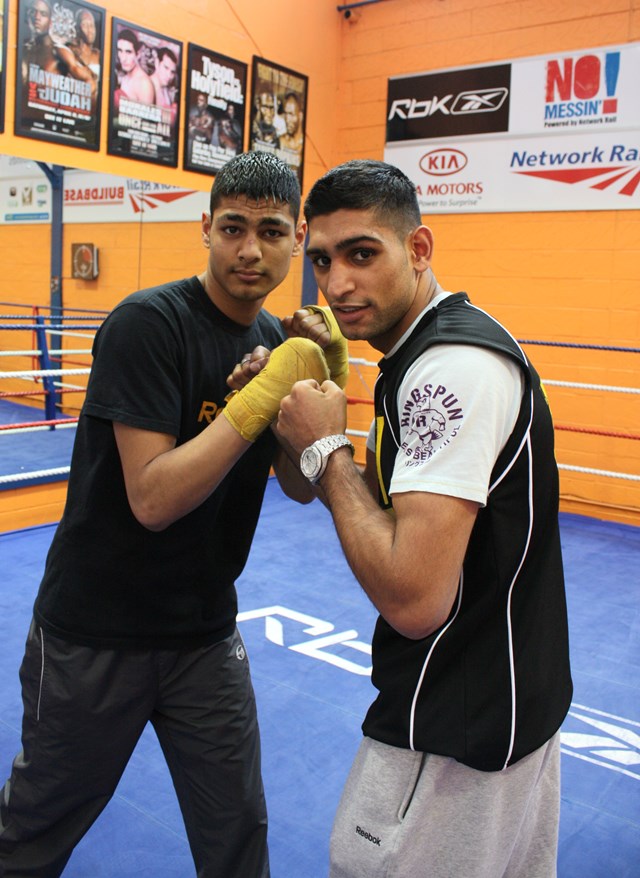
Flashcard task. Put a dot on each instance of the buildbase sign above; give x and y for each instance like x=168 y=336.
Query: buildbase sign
x=25 y=197
x=96 y=198
x=558 y=132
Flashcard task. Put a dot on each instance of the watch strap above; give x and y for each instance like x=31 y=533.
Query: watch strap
x=326 y=446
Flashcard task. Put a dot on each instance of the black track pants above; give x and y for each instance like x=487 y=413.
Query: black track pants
x=84 y=710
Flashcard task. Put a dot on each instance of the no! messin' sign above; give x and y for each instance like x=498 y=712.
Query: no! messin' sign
x=558 y=132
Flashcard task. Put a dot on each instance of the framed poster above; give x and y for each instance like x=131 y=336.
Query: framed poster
x=144 y=94
x=278 y=110
x=3 y=51
x=59 y=71
x=216 y=97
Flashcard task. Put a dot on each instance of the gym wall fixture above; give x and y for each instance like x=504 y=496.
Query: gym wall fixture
x=84 y=261
x=350 y=11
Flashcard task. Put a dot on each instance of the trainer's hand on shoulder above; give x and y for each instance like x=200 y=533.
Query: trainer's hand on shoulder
x=312 y=411
x=248 y=368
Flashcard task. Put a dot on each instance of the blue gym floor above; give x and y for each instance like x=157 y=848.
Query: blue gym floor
x=307 y=627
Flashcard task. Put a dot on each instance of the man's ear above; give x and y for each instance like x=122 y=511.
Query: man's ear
x=300 y=236
x=206 y=230
x=421 y=244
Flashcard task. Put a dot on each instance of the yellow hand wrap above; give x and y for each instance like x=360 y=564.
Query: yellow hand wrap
x=251 y=410
x=336 y=352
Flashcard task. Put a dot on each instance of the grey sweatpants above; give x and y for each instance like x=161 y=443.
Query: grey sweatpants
x=84 y=710
x=405 y=814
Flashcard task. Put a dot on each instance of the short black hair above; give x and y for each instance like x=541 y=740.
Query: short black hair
x=165 y=50
x=365 y=184
x=129 y=37
x=260 y=176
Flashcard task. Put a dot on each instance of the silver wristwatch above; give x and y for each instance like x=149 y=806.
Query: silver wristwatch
x=313 y=460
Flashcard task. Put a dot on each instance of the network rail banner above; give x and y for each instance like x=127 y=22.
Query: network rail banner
x=547 y=133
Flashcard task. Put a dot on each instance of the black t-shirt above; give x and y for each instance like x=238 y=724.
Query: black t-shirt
x=160 y=363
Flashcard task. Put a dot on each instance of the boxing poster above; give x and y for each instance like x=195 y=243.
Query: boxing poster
x=278 y=111
x=59 y=71
x=3 y=51
x=216 y=97
x=144 y=96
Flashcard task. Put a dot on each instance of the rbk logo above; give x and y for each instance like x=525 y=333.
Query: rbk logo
x=486 y=100
x=602 y=739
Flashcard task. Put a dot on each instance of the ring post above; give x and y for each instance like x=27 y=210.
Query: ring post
x=50 y=407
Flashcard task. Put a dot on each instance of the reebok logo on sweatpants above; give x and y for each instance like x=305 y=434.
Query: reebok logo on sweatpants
x=372 y=838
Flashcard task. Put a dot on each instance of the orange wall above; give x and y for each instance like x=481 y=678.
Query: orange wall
x=569 y=277
x=288 y=34
x=302 y=36
x=133 y=255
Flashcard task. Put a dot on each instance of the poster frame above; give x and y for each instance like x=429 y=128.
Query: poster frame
x=278 y=74
x=214 y=106
x=115 y=146
x=50 y=133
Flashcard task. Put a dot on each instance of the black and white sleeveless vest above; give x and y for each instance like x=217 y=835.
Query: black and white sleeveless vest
x=493 y=683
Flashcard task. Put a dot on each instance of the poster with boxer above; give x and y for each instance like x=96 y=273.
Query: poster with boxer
x=278 y=111
x=144 y=97
x=3 y=52
x=59 y=71
x=216 y=91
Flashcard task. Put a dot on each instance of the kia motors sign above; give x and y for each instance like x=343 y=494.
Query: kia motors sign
x=443 y=162
x=558 y=132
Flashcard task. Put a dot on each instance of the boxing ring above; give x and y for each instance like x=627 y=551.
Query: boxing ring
x=308 y=628
x=39 y=403
x=57 y=360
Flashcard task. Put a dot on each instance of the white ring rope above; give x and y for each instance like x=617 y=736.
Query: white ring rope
x=356 y=361
x=36 y=373
x=34 y=429
x=52 y=352
x=599 y=472
x=33 y=373
x=71 y=332
x=592 y=386
x=545 y=381
x=37 y=474
x=69 y=387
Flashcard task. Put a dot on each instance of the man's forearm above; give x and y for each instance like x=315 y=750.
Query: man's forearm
x=365 y=531
x=408 y=561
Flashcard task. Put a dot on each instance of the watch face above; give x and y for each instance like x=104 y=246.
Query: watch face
x=310 y=462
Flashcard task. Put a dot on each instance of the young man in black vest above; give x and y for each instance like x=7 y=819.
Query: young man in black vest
x=135 y=618
x=458 y=772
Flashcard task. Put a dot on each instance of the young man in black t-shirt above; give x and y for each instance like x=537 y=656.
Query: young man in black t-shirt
x=134 y=621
